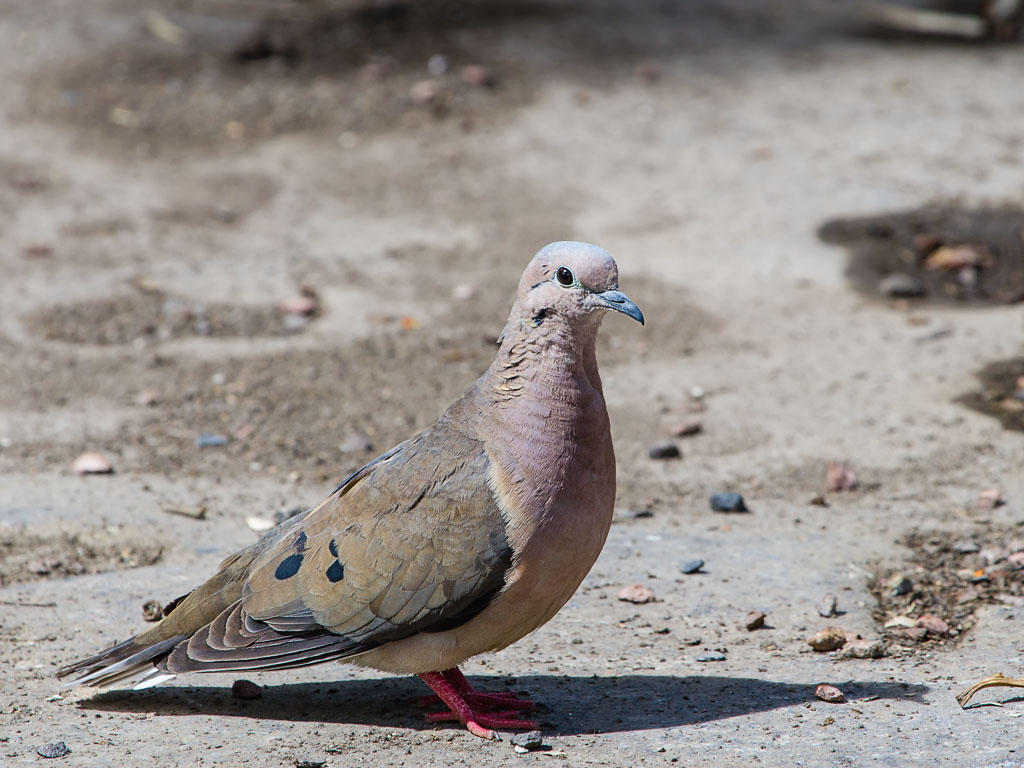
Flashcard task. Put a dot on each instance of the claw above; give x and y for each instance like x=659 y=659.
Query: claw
x=479 y=712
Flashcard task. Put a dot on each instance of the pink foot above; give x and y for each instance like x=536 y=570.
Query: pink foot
x=471 y=708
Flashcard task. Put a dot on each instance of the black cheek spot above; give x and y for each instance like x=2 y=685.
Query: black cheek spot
x=288 y=567
x=336 y=572
x=333 y=546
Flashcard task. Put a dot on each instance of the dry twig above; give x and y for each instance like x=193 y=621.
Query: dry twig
x=995 y=680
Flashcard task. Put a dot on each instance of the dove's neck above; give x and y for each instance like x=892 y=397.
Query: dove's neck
x=550 y=359
x=546 y=422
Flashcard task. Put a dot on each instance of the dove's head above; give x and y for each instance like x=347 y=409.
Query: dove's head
x=574 y=281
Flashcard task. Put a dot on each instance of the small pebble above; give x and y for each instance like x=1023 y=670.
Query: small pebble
x=901 y=585
x=39 y=567
x=245 y=689
x=697 y=392
x=917 y=634
x=665 y=450
x=863 y=649
x=210 y=440
x=36 y=251
x=474 y=74
x=728 y=502
x=1016 y=559
x=636 y=593
x=965 y=547
x=147 y=397
x=258 y=524
x=828 y=639
x=356 y=444
x=529 y=740
x=691 y=566
x=900 y=622
x=901 y=286
x=687 y=429
x=310 y=763
x=300 y=305
x=152 y=611
x=711 y=656
x=437 y=65
x=990 y=498
x=817 y=500
x=954 y=257
x=840 y=477
x=90 y=463
x=57 y=749
x=754 y=620
x=425 y=92
x=829 y=693
x=463 y=291
x=827 y=606
x=934 y=625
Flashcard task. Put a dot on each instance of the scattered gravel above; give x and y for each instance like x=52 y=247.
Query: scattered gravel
x=636 y=593
x=210 y=440
x=711 y=656
x=91 y=463
x=728 y=502
x=664 y=450
x=828 y=639
x=152 y=610
x=56 y=749
x=829 y=693
x=754 y=620
x=530 y=740
x=828 y=606
x=901 y=286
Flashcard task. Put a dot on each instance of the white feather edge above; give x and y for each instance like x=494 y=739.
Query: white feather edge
x=137 y=665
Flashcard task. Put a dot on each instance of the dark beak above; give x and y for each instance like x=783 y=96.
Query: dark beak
x=620 y=302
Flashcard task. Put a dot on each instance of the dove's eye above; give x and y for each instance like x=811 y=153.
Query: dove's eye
x=564 y=276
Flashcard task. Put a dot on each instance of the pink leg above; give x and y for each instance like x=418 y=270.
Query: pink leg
x=485 y=701
x=467 y=706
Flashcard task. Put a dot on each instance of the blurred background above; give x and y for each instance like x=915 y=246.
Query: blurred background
x=247 y=245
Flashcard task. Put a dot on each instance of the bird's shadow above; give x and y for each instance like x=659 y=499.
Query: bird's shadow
x=571 y=705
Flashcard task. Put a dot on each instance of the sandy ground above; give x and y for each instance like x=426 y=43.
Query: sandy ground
x=160 y=197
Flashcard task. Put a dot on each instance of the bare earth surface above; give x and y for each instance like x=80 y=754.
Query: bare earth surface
x=166 y=181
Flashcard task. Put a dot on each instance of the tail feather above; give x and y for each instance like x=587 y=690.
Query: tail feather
x=141 y=659
x=120 y=662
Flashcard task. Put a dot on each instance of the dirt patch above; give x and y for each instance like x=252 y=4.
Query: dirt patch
x=1000 y=394
x=31 y=556
x=948 y=577
x=289 y=411
x=242 y=75
x=940 y=253
x=152 y=318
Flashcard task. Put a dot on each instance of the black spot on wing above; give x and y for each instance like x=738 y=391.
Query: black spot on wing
x=333 y=546
x=336 y=572
x=288 y=567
